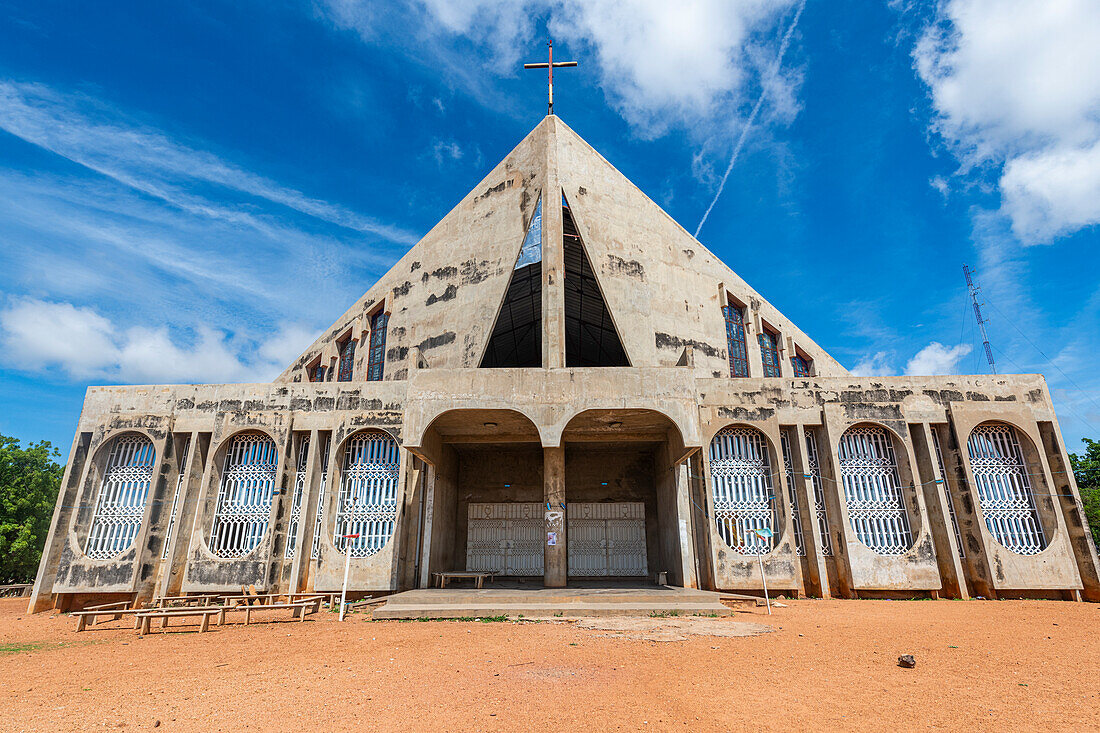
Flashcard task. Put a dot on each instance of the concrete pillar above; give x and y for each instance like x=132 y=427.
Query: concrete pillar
x=171 y=578
x=934 y=484
x=555 y=556
x=303 y=543
x=1069 y=501
x=42 y=592
x=807 y=506
x=553 y=258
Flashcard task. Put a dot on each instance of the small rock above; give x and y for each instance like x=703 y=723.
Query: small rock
x=777 y=604
x=907 y=661
x=156 y=723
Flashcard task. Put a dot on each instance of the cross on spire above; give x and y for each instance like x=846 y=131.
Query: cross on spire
x=550 y=66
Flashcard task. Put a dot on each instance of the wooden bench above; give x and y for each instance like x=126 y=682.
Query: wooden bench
x=146 y=616
x=476 y=575
x=182 y=601
x=301 y=609
x=117 y=610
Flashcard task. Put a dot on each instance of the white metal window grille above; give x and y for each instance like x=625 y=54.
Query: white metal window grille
x=947 y=492
x=296 y=498
x=244 y=499
x=175 y=500
x=1004 y=492
x=368 y=493
x=120 y=504
x=872 y=490
x=319 y=523
x=819 y=494
x=796 y=517
x=742 y=489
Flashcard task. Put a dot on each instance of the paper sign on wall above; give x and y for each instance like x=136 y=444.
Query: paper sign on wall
x=551 y=538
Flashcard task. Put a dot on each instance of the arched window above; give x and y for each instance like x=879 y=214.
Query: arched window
x=735 y=340
x=347 y=359
x=120 y=503
x=367 y=504
x=244 y=499
x=769 y=353
x=741 y=482
x=376 y=357
x=1004 y=492
x=872 y=490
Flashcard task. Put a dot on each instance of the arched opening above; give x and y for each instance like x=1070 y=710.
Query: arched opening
x=1005 y=496
x=741 y=488
x=242 y=511
x=366 y=507
x=623 y=485
x=873 y=490
x=121 y=498
x=483 y=509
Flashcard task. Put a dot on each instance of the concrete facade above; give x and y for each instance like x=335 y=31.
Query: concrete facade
x=556 y=434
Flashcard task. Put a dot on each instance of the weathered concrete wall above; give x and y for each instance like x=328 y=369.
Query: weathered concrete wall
x=552 y=408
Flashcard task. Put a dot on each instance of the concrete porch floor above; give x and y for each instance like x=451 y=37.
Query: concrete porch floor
x=587 y=599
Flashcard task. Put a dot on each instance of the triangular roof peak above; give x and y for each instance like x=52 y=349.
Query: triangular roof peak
x=663 y=289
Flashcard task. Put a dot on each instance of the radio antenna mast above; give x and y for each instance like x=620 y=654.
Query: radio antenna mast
x=974 y=290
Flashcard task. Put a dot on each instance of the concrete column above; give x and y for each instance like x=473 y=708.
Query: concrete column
x=1069 y=500
x=553 y=258
x=555 y=556
x=194 y=468
x=934 y=484
x=42 y=592
x=303 y=543
x=807 y=505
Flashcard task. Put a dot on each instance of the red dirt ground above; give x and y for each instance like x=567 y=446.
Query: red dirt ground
x=982 y=665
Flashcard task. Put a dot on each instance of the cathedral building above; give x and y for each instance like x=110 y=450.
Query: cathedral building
x=558 y=383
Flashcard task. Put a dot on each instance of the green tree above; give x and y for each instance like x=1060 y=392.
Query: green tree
x=29 y=480
x=1086 y=469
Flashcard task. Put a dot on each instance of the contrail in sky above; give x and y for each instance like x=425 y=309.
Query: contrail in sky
x=752 y=116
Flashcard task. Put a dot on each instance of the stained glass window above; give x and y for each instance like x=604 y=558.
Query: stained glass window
x=800 y=365
x=769 y=354
x=735 y=341
x=376 y=357
x=347 y=360
x=317 y=373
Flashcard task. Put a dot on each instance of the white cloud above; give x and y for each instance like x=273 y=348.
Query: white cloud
x=878 y=364
x=659 y=63
x=935 y=358
x=1015 y=85
x=41 y=335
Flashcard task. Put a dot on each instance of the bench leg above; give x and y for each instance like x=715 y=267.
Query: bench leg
x=144 y=626
x=205 y=625
x=164 y=623
x=81 y=622
x=137 y=623
x=248 y=616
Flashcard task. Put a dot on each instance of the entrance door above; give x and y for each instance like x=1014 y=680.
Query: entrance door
x=607 y=539
x=505 y=538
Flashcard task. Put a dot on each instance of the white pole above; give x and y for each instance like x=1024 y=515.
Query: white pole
x=765 y=582
x=347 y=568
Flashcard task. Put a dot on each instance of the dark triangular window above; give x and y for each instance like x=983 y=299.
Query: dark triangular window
x=517 y=336
x=590 y=336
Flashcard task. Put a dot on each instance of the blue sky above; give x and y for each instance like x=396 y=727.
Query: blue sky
x=189 y=191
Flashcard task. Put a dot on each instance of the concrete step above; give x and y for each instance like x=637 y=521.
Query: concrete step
x=552 y=596
x=548 y=610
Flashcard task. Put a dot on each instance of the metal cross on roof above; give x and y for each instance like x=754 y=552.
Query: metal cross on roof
x=550 y=70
